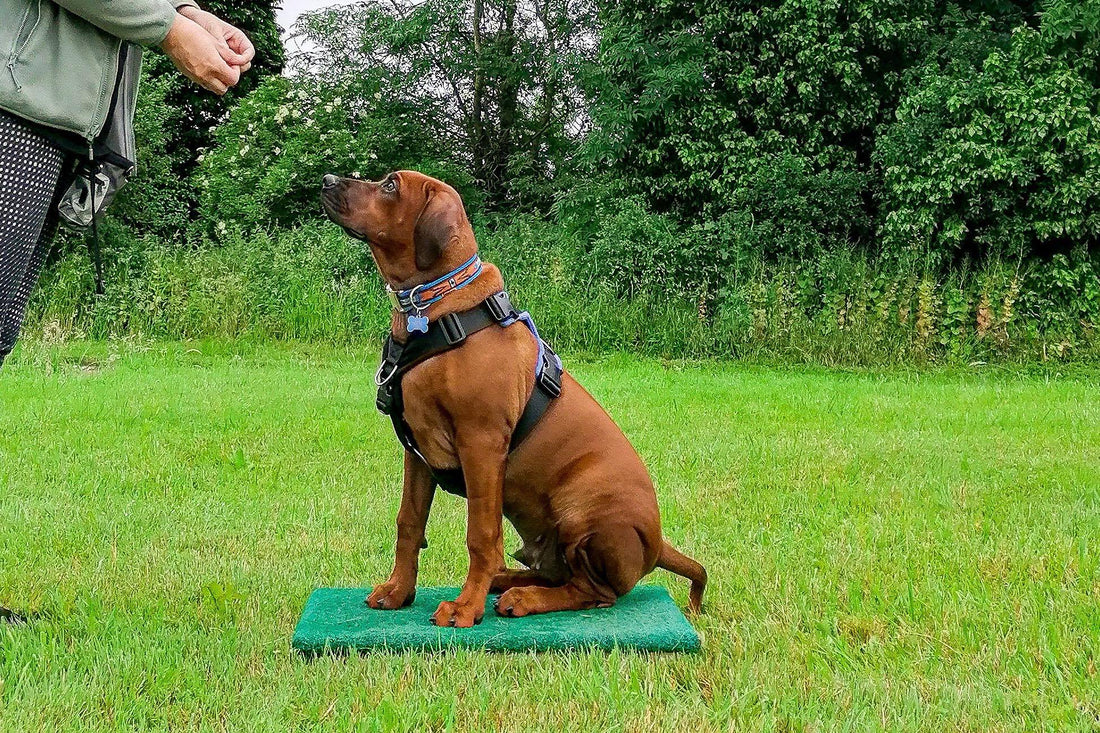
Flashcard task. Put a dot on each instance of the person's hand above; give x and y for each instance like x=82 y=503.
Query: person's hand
x=233 y=44
x=195 y=53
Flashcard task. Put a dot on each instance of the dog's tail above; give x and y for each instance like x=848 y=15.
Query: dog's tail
x=677 y=562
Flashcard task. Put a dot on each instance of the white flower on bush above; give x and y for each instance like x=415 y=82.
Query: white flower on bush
x=221 y=227
x=282 y=113
x=278 y=151
x=244 y=150
x=338 y=101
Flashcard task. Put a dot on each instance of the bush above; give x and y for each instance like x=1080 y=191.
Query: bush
x=270 y=154
x=316 y=284
x=1002 y=157
x=311 y=284
x=764 y=108
x=923 y=131
x=847 y=182
x=157 y=199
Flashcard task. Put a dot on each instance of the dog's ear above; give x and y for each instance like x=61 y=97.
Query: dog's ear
x=436 y=226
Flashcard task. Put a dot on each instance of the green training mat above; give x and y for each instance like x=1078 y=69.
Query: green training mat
x=337 y=620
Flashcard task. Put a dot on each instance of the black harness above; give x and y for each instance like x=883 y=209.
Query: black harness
x=450 y=332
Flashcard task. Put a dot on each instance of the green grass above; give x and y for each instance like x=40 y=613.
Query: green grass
x=904 y=551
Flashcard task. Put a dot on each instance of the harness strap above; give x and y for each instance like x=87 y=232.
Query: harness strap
x=450 y=332
x=97 y=257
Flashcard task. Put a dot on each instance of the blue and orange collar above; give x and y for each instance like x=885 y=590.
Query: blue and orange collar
x=419 y=297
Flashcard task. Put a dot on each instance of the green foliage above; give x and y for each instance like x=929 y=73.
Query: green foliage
x=764 y=108
x=176 y=120
x=308 y=284
x=495 y=79
x=269 y=155
x=923 y=130
x=1002 y=155
x=158 y=197
x=843 y=181
x=198 y=111
x=844 y=307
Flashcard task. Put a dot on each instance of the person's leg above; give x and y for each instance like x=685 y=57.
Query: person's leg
x=8 y=616
x=30 y=171
x=31 y=167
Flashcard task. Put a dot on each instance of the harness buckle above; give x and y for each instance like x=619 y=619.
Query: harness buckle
x=452 y=328
x=384 y=400
x=549 y=377
x=551 y=383
x=500 y=306
x=395 y=299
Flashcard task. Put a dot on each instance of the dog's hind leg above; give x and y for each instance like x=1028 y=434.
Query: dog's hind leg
x=508 y=578
x=605 y=565
x=527 y=600
x=545 y=561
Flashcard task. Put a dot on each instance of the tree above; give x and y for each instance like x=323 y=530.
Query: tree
x=769 y=109
x=199 y=112
x=176 y=119
x=494 y=78
x=1000 y=151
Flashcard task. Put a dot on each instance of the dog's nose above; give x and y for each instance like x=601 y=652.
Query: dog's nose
x=329 y=181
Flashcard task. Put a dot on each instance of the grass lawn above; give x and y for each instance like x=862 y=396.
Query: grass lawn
x=898 y=551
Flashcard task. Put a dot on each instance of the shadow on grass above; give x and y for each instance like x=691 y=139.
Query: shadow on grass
x=19 y=618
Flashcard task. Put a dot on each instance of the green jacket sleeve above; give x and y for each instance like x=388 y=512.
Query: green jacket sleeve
x=139 y=21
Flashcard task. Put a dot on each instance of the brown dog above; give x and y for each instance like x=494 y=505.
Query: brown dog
x=575 y=489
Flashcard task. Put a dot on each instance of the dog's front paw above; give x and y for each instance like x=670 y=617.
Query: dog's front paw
x=391 y=595
x=459 y=615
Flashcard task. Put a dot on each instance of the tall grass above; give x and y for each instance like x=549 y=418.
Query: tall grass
x=315 y=284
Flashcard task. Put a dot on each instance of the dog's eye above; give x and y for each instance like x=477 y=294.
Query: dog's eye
x=389 y=186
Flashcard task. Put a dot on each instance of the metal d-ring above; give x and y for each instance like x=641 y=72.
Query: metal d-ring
x=413 y=295
x=379 y=380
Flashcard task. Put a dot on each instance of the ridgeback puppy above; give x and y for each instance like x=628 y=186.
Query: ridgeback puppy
x=575 y=489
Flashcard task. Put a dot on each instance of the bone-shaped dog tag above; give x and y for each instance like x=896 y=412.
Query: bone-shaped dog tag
x=414 y=323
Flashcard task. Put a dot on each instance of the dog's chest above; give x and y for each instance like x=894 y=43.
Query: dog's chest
x=433 y=436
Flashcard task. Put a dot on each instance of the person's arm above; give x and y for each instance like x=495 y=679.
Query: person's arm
x=199 y=48
x=146 y=22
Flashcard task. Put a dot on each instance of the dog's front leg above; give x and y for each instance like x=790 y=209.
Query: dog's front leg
x=483 y=466
x=412 y=519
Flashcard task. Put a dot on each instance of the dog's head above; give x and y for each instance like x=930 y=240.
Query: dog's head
x=409 y=219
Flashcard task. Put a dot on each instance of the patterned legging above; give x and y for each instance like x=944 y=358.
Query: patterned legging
x=31 y=168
